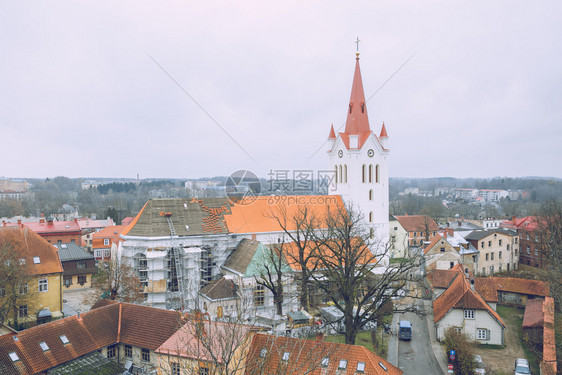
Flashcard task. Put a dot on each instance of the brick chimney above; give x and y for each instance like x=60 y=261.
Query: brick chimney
x=514 y=220
x=19 y=221
x=449 y=232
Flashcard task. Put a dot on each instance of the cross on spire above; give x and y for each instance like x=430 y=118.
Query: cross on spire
x=357 y=42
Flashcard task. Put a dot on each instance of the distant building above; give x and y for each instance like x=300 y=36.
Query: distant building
x=89 y=227
x=57 y=231
x=105 y=242
x=529 y=236
x=499 y=250
x=492 y=195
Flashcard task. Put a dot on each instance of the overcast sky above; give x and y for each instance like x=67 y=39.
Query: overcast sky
x=81 y=96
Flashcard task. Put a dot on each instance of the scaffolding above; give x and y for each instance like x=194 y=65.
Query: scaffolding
x=176 y=253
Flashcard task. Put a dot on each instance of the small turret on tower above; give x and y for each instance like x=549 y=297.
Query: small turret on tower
x=383 y=137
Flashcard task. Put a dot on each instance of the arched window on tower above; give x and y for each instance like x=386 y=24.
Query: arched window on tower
x=363 y=173
x=345 y=173
x=370 y=173
x=350 y=106
x=362 y=107
x=336 y=170
x=377 y=173
x=371 y=194
x=341 y=174
x=371 y=217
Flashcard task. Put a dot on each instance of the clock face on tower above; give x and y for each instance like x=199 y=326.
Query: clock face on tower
x=340 y=153
x=370 y=153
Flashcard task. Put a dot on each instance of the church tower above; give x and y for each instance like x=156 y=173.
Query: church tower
x=360 y=160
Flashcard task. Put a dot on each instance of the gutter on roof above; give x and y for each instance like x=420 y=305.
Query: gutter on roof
x=233 y=271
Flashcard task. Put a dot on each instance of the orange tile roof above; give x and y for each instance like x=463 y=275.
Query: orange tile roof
x=54 y=227
x=305 y=357
x=134 y=221
x=460 y=295
x=533 y=316
x=291 y=251
x=441 y=278
x=257 y=216
x=109 y=322
x=31 y=245
x=489 y=287
x=416 y=223
x=112 y=232
x=188 y=343
x=549 y=365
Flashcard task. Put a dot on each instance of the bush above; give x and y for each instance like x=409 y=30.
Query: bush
x=464 y=362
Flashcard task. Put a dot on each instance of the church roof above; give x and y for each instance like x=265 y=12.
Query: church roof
x=332 y=133
x=383 y=132
x=357 y=120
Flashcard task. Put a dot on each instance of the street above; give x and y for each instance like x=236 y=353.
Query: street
x=416 y=356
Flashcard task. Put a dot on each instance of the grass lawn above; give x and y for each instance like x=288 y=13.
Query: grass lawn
x=513 y=318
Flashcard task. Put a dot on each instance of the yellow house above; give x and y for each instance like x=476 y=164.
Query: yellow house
x=34 y=283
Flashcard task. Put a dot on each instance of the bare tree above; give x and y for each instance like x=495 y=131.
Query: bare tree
x=272 y=273
x=116 y=280
x=549 y=236
x=16 y=273
x=299 y=229
x=353 y=270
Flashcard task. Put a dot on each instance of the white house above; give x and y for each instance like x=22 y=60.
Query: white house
x=464 y=309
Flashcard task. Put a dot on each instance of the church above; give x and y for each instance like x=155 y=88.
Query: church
x=189 y=253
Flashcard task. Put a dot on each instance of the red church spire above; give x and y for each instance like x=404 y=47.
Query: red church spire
x=383 y=132
x=332 y=133
x=357 y=120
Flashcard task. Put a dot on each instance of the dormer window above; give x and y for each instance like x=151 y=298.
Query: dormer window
x=64 y=339
x=360 y=366
x=343 y=364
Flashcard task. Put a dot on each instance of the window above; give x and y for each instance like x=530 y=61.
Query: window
x=106 y=242
x=176 y=370
x=263 y=353
x=483 y=271
x=43 y=285
x=489 y=243
x=36 y=260
x=536 y=251
x=508 y=247
x=482 y=334
x=81 y=265
x=343 y=364
x=433 y=233
x=13 y=356
x=128 y=351
x=370 y=173
x=67 y=281
x=259 y=295
x=442 y=249
x=22 y=311
x=371 y=195
x=370 y=217
x=325 y=362
x=415 y=234
x=203 y=371
x=486 y=256
x=286 y=356
x=482 y=244
x=64 y=339
x=22 y=289
x=145 y=355
x=73 y=240
x=345 y=173
x=360 y=366
x=363 y=173
x=22 y=262
x=111 y=349
x=491 y=270
x=500 y=243
x=500 y=268
x=97 y=253
x=469 y=314
x=82 y=279
x=528 y=249
x=515 y=239
x=491 y=256
x=106 y=253
x=377 y=173
x=458 y=329
x=500 y=254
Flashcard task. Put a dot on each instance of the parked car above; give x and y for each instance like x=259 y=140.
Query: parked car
x=522 y=367
x=479 y=368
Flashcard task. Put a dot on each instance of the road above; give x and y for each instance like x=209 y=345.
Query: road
x=416 y=356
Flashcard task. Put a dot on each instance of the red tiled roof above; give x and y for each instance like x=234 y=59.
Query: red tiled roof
x=549 y=365
x=383 y=132
x=31 y=245
x=416 y=223
x=108 y=322
x=460 y=295
x=54 y=227
x=441 y=278
x=112 y=232
x=533 y=313
x=332 y=133
x=305 y=357
x=489 y=287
